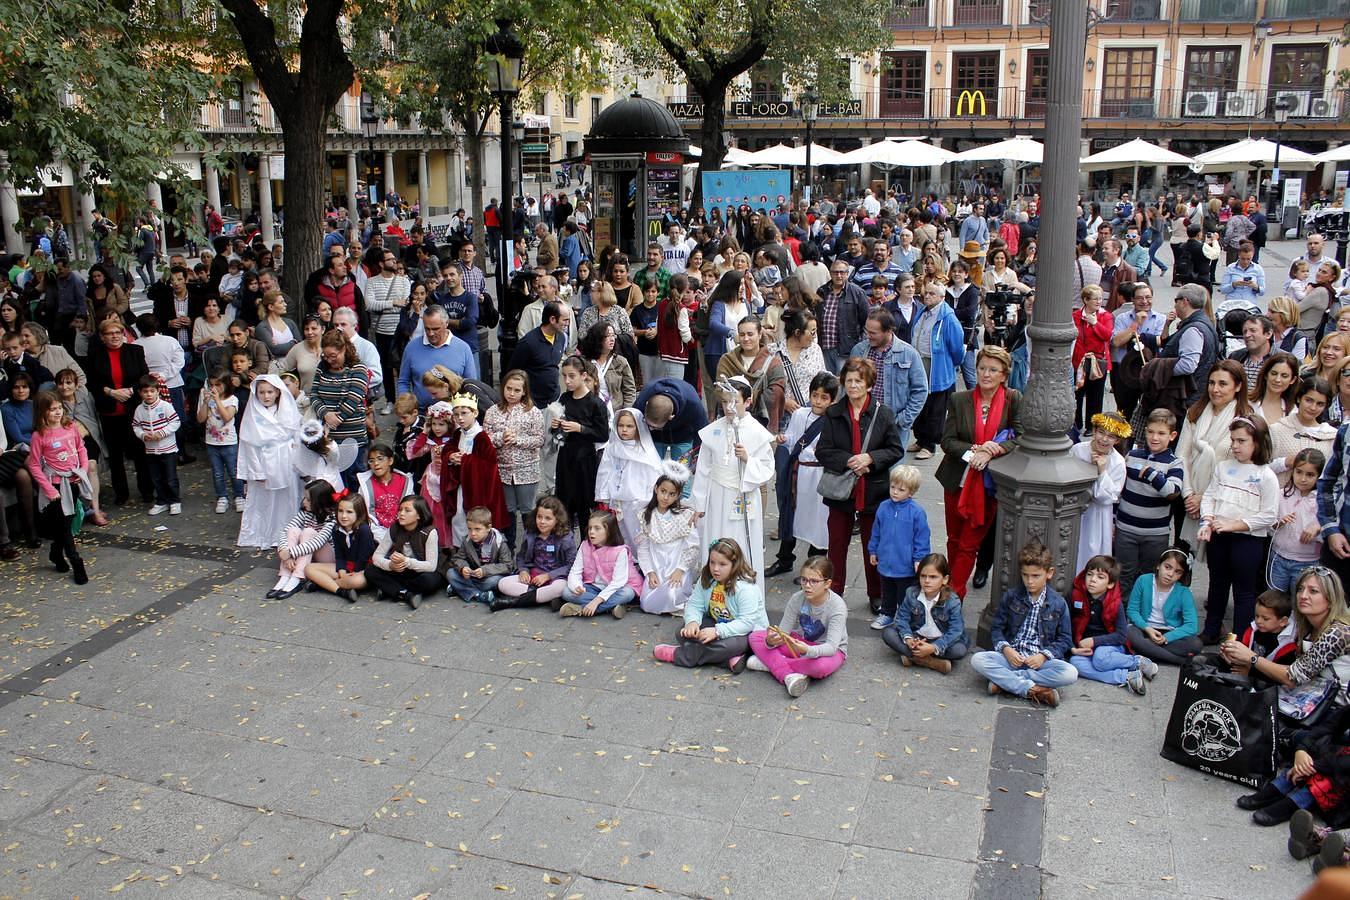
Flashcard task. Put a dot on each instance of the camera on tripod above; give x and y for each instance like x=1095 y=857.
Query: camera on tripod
x=1004 y=305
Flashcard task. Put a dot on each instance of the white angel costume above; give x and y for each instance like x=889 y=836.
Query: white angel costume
x=266 y=462
x=1097 y=528
x=810 y=513
x=726 y=490
x=329 y=465
x=627 y=474
x=666 y=544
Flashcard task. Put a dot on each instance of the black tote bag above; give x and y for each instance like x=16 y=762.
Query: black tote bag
x=1222 y=726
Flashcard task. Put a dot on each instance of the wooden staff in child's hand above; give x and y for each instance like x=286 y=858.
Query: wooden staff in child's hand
x=786 y=639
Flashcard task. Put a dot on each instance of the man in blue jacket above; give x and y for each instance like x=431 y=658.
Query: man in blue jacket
x=940 y=343
x=1032 y=635
x=674 y=413
x=901 y=381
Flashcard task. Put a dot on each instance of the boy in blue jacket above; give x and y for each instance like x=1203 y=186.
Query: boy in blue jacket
x=1031 y=635
x=900 y=539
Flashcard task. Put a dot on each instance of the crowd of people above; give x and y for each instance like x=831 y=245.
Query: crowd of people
x=647 y=410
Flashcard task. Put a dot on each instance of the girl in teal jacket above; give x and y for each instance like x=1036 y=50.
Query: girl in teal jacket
x=1163 y=622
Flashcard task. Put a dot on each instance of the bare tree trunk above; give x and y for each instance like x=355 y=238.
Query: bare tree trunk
x=306 y=182
x=473 y=144
x=710 y=133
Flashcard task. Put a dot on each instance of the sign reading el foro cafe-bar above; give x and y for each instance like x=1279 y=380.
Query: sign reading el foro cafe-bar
x=767 y=109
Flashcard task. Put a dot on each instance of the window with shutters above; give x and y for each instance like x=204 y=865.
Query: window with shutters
x=902 y=85
x=1127 y=82
x=1038 y=83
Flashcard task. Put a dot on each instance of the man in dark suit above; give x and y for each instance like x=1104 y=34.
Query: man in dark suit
x=539 y=354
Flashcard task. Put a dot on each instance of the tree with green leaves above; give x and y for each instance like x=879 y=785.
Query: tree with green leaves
x=713 y=42
x=108 y=89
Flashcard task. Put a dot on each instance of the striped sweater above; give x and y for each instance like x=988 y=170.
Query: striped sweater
x=1152 y=481
x=341 y=391
x=157 y=419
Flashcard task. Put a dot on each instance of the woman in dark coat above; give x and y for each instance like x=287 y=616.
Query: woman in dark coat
x=979 y=423
x=114 y=368
x=845 y=445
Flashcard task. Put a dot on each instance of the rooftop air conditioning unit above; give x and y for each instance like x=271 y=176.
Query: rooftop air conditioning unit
x=1299 y=102
x=1321 y=108
x=1200 y=104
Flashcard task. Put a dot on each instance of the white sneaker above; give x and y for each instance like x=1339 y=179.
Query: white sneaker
x=175 y=509
x=157 y=509
x=222 y=504
x=388 y=410
x=238 y=504
x=1148 y=667
x=756 y=664
x=796 y=684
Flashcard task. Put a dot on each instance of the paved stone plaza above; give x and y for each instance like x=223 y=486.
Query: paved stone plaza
x=166 y=730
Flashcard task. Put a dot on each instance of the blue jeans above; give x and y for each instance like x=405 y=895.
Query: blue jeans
x=620 y=597
x=146 y=269
x=994 y=666
x=1109 y=665
x=224 y=463
x=677 y=452
x=358 y=465
x=1281 y=573
x=782 y=487
x=1302 y=797
x=968 y=370
x=834 y=358
x=467 y=587
x=163 y=469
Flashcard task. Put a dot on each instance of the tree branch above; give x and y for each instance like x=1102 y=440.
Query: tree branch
x=258 y=34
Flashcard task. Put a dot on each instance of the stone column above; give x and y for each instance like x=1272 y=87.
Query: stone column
x=423 y=184
x=9 y=209
x=353 y=176
x=85 y=247
x=935 y=172
x=1328 y=171
x=1159 y=173
x=1042 y=490
x=1009 y=180
x=1084 y=178
x=156 y=197
x=211 y=179
x=454 y=180
x=388 y=171
x=265 y=198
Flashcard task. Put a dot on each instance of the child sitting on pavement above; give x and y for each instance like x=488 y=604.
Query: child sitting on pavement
x=1031 y=635
x=481 y=560
x=1272 y=633
x=929 y=628
x=811 y=640
x=1097 y=616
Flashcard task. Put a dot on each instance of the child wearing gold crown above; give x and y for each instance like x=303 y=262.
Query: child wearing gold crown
x=1096 y=529
x=469 y=476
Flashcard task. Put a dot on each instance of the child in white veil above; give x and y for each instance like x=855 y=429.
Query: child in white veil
x=628 y=470
x=271 y=421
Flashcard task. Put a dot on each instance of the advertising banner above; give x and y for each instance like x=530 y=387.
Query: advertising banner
x=757 y=188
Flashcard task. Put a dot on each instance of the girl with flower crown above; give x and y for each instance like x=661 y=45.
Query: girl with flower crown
x=469 y=475
x=434 y=440
x=1096 y=531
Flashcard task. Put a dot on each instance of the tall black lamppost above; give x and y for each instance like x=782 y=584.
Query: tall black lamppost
x=504 y=53
x=810 y=109
x=370 y=123
x=1273 y=199
x=518 y=135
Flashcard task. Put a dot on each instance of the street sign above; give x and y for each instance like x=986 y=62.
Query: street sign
x=534 y=148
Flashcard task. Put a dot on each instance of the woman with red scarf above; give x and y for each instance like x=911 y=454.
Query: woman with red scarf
x=977 y=420
x=859 y=436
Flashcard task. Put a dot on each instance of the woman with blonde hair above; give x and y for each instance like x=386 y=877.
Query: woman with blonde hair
x=1284 y=314
x=1326 y=363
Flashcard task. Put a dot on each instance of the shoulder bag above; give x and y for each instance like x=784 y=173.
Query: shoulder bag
x=840 y=485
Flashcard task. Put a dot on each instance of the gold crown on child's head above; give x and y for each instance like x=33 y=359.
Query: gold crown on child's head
x=468 y=400
x=1113 y=424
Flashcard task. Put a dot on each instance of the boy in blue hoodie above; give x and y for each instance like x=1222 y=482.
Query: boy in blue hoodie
x=900 y=539
x=1031 y=634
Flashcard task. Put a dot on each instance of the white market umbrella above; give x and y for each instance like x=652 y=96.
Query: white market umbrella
x=777 y=155
x=916 y=154
x=1018 y=149
x=737 y=157
x=1133 y=153
x=1334 y=155
x=1242 y=154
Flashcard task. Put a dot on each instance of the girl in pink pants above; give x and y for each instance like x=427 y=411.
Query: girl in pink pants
x=307 y=536
x=814 y=622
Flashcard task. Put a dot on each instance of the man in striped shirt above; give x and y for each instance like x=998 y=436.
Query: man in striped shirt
x=1144 y=517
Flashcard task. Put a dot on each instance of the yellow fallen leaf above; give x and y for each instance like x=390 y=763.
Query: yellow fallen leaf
x=117 y=887
x=1037 y=794
x=887 y=777
x=721 y=749
x=368 y=872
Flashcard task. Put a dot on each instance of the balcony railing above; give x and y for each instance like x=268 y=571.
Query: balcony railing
x=1308 y=9
x=908 y=14
x=1196 y=107
x=1217 y=10
x=1136 y=11
x=977 y=12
